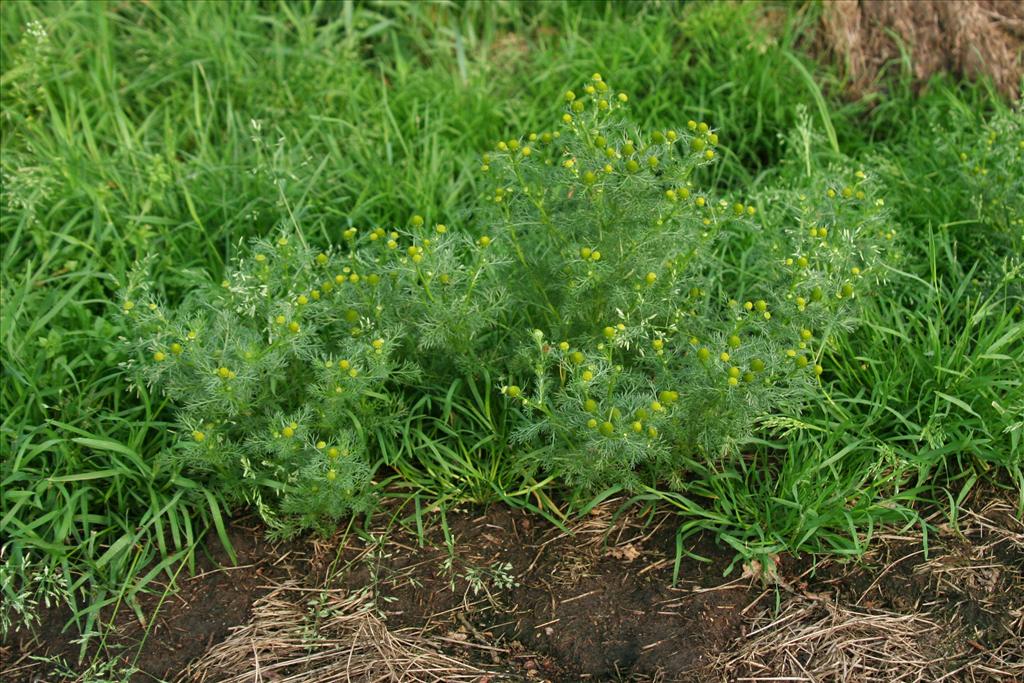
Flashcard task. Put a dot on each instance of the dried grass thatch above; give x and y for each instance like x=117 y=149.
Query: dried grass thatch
x=966 y=38
x=303 y=635
x=817 y=640
x=818 y=637
x=820 y=640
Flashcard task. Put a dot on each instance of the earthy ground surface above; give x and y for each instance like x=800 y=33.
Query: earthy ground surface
x=493 y=595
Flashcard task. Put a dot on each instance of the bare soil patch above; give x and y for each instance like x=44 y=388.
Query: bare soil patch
x=499 y=595
x=200 y=613
x=598 y=604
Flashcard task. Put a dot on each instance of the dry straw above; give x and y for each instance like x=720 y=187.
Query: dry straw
x=304 y=635
x=818 y=637
x=966 y=39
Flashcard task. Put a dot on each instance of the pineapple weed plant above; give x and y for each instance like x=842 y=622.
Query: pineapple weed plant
x=591 y=284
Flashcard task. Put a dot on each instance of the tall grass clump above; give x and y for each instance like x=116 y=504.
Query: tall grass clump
x=932 y=379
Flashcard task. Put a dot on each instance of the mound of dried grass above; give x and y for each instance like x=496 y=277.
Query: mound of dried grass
x=966 y=625
x=817 y=640
x=821 y=640
x=303 y=635
x=964 y=38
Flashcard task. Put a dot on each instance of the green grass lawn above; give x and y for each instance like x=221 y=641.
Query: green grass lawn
x=179 y=130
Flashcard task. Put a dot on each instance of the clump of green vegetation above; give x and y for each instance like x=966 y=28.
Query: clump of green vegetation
x=645 y=362
x=932 y=383
x=285 y=370
x=594 y=287
x=990 y=173
x=119 y=143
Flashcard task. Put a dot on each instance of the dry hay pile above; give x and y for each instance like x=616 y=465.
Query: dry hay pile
x=306 y=635
x=819 y=640
x=958 y=616
x=964 y=38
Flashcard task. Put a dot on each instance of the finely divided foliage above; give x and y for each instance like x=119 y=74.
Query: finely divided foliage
x=594 y=290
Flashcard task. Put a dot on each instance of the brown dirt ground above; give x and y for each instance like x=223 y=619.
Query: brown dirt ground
x=201 y=613
x=583 y=609
x=596 y=605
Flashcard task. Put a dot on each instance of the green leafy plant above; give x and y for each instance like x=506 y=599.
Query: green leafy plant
x=593 y=284
x=992 y=170
x=644 y=363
